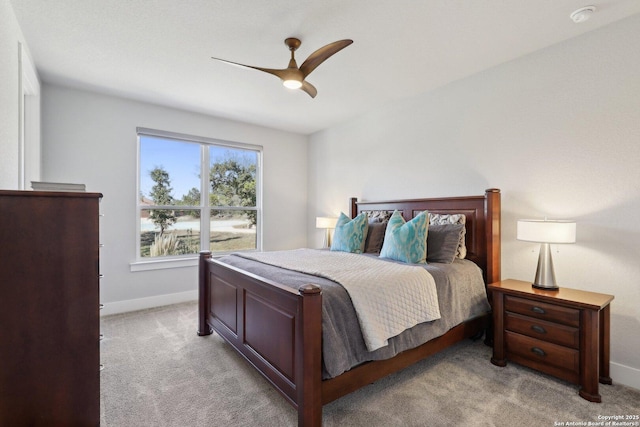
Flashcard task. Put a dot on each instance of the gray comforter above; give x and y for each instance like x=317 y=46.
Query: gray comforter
x=461 y=296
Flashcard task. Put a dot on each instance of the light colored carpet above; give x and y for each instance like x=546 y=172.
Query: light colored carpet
x=158 y=372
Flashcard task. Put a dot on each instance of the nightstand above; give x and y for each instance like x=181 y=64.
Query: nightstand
x=564 y=333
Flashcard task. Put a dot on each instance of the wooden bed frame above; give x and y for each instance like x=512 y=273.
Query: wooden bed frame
x=279 y=330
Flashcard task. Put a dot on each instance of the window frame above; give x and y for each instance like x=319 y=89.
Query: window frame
x=146 y=263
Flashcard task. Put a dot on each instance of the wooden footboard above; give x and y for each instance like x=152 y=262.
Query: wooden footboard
x=277 y=329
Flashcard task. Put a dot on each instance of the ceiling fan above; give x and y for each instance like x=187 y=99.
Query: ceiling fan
x=293 y=77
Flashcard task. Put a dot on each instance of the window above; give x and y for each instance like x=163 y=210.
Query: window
x=196 y=194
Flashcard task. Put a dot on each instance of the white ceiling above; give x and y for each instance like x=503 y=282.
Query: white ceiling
x=159 y=50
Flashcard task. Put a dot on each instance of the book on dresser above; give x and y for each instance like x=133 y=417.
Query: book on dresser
x=56 y=186
x=49 y=314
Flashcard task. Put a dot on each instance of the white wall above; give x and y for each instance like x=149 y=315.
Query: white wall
x=90 y=138
x=14 y=55
x=558 y=131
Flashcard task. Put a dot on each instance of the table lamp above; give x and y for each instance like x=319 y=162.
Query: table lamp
x=327 y=223
x=546 y=232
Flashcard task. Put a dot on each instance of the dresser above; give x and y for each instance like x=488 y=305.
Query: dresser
x=564 y=333
x=49 y=309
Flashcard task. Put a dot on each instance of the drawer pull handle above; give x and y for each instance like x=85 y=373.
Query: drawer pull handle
x=538 y=351
x=538 y=310
x=538 y=329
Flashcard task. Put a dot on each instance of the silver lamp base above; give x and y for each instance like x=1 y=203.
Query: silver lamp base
x=545 y=276
x=327 y=239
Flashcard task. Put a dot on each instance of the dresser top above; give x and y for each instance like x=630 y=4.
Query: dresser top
x=568 y=296
x=29 y=193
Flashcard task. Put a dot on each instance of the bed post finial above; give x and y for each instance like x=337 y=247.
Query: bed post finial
x=204 y=300
x=353 y=207
x=492 y=213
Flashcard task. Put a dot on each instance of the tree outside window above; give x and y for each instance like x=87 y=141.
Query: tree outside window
x=161 y=195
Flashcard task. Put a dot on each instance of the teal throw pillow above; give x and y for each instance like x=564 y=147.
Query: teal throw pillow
x=350 y=234
x=406 y=241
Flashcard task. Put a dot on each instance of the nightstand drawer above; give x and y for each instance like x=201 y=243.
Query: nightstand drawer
x=541 y=310
x=543 y=330
x=551 y=358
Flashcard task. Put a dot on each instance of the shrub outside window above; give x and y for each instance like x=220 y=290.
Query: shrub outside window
x=196 y=194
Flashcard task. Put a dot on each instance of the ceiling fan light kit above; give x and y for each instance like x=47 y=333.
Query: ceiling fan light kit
x=292 y=84
x=293 y=77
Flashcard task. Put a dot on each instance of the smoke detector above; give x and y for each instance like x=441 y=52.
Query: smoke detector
x=582 y=14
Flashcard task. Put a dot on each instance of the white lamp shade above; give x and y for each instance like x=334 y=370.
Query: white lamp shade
x=326 y=222
x=546 y=231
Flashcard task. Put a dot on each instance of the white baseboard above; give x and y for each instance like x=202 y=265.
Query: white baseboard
x=626 y=375
x=148 y=302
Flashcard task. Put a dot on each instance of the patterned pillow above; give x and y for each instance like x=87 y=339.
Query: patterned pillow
x=378 y=216
x=406 y=241
x=439 y=219
x=350 y=234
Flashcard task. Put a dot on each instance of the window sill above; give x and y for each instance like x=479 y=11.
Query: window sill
x=187 y=261
x=162 y=264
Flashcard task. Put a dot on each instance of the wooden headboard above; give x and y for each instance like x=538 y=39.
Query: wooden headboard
x=482 y=223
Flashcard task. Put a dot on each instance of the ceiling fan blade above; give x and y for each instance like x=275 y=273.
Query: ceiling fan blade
x=321 y=55
x=278 y=73
x=309 y=88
